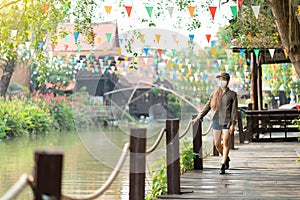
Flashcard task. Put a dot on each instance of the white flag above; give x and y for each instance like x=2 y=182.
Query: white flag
x=256 y=10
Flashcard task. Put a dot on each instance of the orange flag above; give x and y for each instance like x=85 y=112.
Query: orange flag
x=46 y=7
x=191 y=10
x=212 y=11
x=108 y=9
x=66 y=47
x=128 y=10
x=208 y=36
x=285 y=53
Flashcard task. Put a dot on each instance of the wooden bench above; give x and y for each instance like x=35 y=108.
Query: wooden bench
x=272 y=125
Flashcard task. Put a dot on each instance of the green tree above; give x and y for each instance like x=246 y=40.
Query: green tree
x=277 y=26
x=26 y=27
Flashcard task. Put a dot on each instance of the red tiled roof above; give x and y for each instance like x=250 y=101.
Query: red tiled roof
x=68 y=45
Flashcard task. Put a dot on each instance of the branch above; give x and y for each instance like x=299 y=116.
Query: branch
x=10 y=3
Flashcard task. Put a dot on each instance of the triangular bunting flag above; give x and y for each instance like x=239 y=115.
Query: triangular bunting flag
x=208 y=36
x=191 y=10
x=121 y=40
x=242 y=52
x=241 y=63
x=213 y=42
x=191 y=36
x=142 y=36
x=228 y=52
x=159 y=51
x=46 y=7
x=108 y=36
x=52 y=47
x=157 y=36
x=234 y=11
x=149 y=10
x=272 y=51
x=225 y=37
x=256 y=51
x=76 y=36
x=128 y=10
x=66 y=47
x=173 y=52
x=214 y=52
x=240 y=2
x=79 y=47
x=119 y=50
x=212 y=11
x=108 y=9
x=146 y=51
x=170 y=10
x=27 y=45
x=249 y=37
x=256 y=10
x=99 y=40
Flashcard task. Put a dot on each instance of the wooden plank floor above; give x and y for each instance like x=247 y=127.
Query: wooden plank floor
x=257 y=171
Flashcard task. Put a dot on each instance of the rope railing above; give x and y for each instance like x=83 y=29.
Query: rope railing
x=186 y=130
x=208 y=130
x=18 y=187
x=155 y=145
x=108 y=182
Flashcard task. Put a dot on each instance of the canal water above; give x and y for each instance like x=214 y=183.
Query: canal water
x=89 y=158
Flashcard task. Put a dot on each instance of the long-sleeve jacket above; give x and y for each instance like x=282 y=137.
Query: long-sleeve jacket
x=227 y=111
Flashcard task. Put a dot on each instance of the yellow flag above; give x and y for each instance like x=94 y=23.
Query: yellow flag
x=108 y=9
x=99 y=40
x=157 y=36
x=119 y=50
x=142 y=36
x=126 y=58
x=298 y=10
x=214 y=52
x=249 y=37
x=105 y=49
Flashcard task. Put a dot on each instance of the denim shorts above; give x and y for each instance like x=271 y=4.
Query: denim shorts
x=216 y=125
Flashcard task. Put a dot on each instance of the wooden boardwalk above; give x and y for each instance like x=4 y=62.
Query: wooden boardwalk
x=257 y=171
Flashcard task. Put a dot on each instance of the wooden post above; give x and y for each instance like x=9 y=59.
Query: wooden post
x=137 y=163
x=173 y=164
x=240 y=126
x=253 y=89
x=48 y=174
x=197 y=144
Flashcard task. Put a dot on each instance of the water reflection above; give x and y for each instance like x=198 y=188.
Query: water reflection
x=82 y=173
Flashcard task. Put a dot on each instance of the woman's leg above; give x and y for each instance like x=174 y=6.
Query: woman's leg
x=226 y=142
x=217 y=139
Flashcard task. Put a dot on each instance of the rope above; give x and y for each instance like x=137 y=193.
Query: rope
x=186 y=130
x=188 y=127
x=208 y=130
x=154 y=146
x=108 y=182
x=17 y=188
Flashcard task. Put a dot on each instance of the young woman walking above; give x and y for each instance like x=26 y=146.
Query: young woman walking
x=223 y=104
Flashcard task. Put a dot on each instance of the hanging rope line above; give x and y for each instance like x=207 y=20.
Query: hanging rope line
x=108 y=182
x=155 y=145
